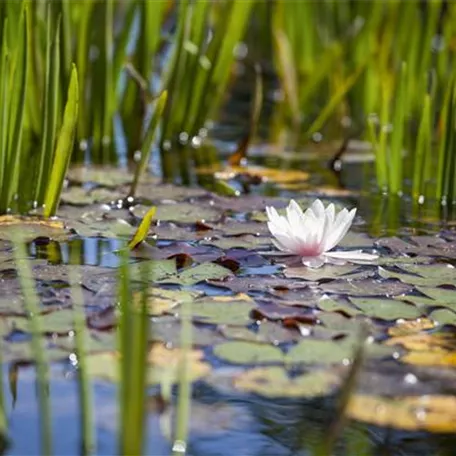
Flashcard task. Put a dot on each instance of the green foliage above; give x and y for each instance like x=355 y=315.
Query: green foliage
x=357 y=60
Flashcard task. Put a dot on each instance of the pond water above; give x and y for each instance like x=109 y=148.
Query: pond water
x=272 y=340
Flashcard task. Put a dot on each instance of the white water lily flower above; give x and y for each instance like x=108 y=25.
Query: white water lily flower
x=313 y=233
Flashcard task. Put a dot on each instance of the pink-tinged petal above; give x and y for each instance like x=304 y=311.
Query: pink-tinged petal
x=341 y=225
x=313 y=262
x=353 y=255
x=280 y=246
x=318 y=209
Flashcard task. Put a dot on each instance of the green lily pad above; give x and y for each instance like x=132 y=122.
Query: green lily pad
x=329 y=305
x=238 y=352
x=199 y=273
x=275 y=382
x=246 y=242
x=181 y=212
x=214 y=310
x=268 y=332
x=163 y=365
x=59 y=321
x=311 y=351
x=443 y=317
x=386 y=309
x=366 y=287
x=107 y=176
x=325 y=272
x=424 y=275
x=162 y=300
x=337 y=322
x=436 y=297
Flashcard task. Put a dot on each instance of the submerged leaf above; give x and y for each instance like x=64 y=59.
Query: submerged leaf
x=275 y=382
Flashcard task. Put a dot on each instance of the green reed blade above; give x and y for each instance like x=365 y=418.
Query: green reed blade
x=133 y=342
x=423 y=150
x=185 y=388
x=82 y=335
x=148 y=141
x=446 y=119
x=51 y=107
x=64 y=148
x=17 y=111
x=4 y=101
x=109 y=88
x=334 y=101
x=397 y=136
x=65 y=41
x=32 y=306
x=82 y=56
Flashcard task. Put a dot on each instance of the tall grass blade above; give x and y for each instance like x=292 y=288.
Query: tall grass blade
x=148 y=141
x=18 y=82
x=133 y=337
x=81 y=337
x=65 y=144
x=185 y=389
x=32 y=306
x=51 y=106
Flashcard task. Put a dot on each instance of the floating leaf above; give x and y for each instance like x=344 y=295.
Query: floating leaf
x=443 y=317
x=424 y=275
x=217 y=310
x=163 y=365
x=162 y=300
x=386 y=309
x=60 y=322
x=248 y=353
x=366 y=287
x=275 y=382
x=432 y=413
x=330 y=305
x=199 y=273
x=246 y=242
x=32 y=228
x=325 y=272
x=407 y=327
x=181 y=212
x=268 y=332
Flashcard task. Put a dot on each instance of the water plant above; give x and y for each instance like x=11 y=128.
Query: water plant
x=355 y=65
x=31 y=175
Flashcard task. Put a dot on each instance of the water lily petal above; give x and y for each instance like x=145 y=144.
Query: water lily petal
x=353 y=255
x=318 y=209
x=341 y=225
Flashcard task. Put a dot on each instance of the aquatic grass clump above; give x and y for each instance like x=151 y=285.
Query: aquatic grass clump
x=32 y=174
x=355 y=64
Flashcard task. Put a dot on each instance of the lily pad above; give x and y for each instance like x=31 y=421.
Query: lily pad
x=443 y=317
x=60 y=321
x=248 y=353
x=424 y=275
x=386 y=309
x=31 y=228
x=329 y=305
x=245 y=241
x=217 y=310
x=366 y=287
x=161 y=300
x=163 y=365
x=181 y=212
x=432 y=413
x=268 y=332
x=326 y=272
x=199 y=273
x=275 y=382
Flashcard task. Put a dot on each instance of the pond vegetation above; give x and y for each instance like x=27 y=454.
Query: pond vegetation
x=145 y=146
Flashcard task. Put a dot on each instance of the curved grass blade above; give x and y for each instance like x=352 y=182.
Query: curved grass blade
x=143 y=229
x=148 y=141
x=65 y=144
